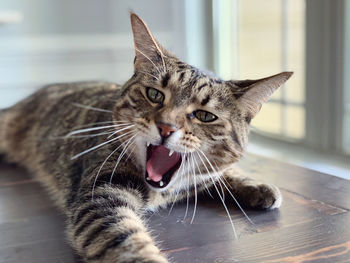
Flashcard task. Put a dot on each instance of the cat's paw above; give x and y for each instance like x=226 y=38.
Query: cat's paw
x=261 y=196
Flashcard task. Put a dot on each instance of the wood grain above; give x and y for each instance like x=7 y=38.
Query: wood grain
x=311 y=226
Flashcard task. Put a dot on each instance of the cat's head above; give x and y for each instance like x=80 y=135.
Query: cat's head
x=188 y=126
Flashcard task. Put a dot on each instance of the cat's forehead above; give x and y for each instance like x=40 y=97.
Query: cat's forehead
x=190 y=85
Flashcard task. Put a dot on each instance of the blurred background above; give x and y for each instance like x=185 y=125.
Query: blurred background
x=307 y=122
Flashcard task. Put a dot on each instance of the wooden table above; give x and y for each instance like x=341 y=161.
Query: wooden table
x=313 y=224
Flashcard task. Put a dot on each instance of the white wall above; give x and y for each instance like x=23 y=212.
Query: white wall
x=60 y=41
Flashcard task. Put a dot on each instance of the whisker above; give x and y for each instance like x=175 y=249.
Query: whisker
x=178 y=189
x=99 y=170
x=188 y=186
x=94 y=129
x=90 y=135
x=223 y=203
x=125 y=128
x=98 y=146
x=144 y=72
x=159 y=72
x=132 y=150
x=121 y=156
x=91 y=108
x=202 y=178
x=98 y=123
x=228 y=190
x=195 y=189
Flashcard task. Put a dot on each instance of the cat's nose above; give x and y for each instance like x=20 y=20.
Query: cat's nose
x=166 y=130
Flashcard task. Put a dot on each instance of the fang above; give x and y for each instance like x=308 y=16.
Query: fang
x=161 y=183
x=171 y=152
x=148 y=144
x=148 y=179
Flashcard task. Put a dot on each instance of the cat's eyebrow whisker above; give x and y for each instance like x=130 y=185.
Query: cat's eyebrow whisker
x=121 y=156
x=195 y=189
x=91 y=108
x=228 y=190
x=99 y=170
x=119 y=130
x=149 y=74
x=94 y=129
x=99 y=145
x=217 y=190
x=159 y=72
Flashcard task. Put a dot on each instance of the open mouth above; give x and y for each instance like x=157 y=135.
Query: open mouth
x=161 y=165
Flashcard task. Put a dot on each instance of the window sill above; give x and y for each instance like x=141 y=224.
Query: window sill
x=299 y=155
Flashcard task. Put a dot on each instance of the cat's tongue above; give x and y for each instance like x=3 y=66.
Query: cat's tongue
x=160 y=162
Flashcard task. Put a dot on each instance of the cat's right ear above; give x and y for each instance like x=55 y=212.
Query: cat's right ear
x=253 y=93
x=148 y=52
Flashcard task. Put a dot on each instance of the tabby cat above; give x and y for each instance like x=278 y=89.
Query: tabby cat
x=109 y=154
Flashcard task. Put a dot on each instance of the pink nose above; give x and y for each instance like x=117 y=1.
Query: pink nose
x=166 y=130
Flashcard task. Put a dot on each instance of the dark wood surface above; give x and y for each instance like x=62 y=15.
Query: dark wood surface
x=313 y=224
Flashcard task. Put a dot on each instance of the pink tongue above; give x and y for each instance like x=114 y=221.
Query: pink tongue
x=160 y=162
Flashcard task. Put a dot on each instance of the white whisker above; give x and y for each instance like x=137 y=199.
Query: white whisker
x=188 y=187
x=195 y=189
x=99 y=170
x=94 y=129
x=100 y=122
x=202 y=178
x=98 y=146
x=91 y=108
x=121 y=156
x=117 y=131
x=159 y=72
x=228 y=190
x=178 y=189
x=223 y=203
x=144 y=72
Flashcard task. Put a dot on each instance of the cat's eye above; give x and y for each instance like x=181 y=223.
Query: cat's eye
x=155 y=95
x=205 y=116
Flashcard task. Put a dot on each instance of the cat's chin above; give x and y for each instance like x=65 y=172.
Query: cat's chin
x=162 y=165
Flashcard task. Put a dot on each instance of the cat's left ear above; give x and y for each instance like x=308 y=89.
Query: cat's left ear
x=253 y=93
x=148 y=52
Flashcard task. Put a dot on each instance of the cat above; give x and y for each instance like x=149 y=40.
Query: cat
x=108 y=154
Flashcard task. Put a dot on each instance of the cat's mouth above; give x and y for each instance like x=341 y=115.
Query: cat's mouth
x=161 y=165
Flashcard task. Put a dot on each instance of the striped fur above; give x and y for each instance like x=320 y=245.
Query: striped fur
x=86 y=143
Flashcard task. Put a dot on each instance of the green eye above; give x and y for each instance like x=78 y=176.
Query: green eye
x=155 y=95
x=204 y=116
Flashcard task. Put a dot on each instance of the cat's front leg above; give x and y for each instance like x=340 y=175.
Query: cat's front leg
x=252 y=193
x=110 y=228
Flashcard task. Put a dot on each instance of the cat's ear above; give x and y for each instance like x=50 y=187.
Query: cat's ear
x=148 y=52
x=253 y=93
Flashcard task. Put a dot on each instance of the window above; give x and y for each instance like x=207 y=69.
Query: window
x=267 y=43
x=307 y=37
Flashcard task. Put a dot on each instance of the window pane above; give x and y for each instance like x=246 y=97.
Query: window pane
x=295 y=121
x=269 y=118
x=259 y=44
x=296 y=50
x=270 y=40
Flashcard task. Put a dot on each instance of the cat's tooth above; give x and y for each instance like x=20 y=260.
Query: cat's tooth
x=171 y=152
x=148 y=179
x=148 y=144
x=161 y=183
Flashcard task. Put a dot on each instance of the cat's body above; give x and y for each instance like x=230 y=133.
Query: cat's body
x=60 y=133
